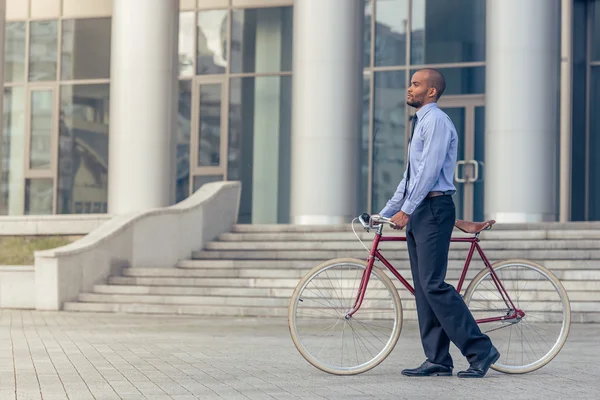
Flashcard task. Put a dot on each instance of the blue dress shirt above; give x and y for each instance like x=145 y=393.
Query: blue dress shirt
x=433 y=152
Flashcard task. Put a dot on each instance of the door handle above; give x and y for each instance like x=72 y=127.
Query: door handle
x=475 y=170
x=456 y=178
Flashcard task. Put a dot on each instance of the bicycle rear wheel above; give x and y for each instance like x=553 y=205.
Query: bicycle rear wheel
x=319 y=327
x=532 y=341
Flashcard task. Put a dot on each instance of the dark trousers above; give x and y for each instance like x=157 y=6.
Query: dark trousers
x=442 y=313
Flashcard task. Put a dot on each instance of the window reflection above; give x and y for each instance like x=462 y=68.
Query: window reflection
x=39 y=196
x=14 y=52
x=43 y=50
x=41 y=129
x=261 y=40
x=259 y=146
x=212 y=42
x=367 y=33
x=595 y=38
x=447 y=31
x=83 y=149
x=183 y=139
x=388 y=135
x=364 y=145
x=186 y=43
x=594 y=149
x=391 y=20
x=85 y=48
x=12 y=189
x=209 y=127
x=200 y=180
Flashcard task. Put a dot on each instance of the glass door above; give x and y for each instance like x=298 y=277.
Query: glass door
x=209 y=128
x=467 y=114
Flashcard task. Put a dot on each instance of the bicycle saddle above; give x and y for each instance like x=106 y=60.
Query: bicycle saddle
x=473 y=227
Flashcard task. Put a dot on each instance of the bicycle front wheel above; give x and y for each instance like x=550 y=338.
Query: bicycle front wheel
x=529 y=342
x=318 y=321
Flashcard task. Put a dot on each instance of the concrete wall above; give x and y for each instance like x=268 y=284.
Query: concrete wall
x=17 y=287
x=154 y=238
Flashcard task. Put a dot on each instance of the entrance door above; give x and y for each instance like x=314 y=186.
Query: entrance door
x=468 y=113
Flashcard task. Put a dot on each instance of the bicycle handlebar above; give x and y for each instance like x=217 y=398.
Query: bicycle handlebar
x=367 y=221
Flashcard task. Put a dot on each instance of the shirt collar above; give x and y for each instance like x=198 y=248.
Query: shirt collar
x=425 y=109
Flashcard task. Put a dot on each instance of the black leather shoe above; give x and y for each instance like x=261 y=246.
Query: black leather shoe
x=429 y=369
x=479 y=369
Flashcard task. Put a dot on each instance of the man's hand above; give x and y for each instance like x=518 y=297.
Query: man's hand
x=400 y=219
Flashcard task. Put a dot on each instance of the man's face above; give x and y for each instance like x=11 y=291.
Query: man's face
x=418 y=91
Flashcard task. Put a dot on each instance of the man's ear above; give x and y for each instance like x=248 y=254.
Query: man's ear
x=432 y=92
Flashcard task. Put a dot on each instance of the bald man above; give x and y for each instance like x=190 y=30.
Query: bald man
x=423 y=204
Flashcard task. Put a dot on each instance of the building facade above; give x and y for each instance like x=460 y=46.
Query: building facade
x=121 y=105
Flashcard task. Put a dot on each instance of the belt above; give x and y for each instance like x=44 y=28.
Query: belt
x=436 y=194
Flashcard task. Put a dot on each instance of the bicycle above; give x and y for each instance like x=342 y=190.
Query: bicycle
x=378 y=313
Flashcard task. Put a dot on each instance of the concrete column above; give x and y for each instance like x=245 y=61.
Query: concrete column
x=325 y=105
x=522 y=76
x=143 y=96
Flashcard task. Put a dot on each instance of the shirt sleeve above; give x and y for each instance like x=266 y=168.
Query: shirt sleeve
x=395 y=203
x=436 y=137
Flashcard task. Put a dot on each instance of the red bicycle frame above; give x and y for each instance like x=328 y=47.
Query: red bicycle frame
x=376 y=254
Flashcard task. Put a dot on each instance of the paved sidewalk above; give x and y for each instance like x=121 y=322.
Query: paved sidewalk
x=61 y=355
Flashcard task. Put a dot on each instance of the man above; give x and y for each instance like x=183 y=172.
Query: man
x=423 y=203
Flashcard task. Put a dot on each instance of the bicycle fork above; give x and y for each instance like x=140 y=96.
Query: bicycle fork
x=365 y=278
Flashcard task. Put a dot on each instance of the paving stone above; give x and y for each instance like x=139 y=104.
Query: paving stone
x=59 y=355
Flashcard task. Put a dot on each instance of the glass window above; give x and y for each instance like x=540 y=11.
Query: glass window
x=467 y=80
x=86 y=48
x=83 y=149
x=43 y=50
x=39 y=196
x=41 y=129
x=447 y=31
x=367 y=33
x=578 y=139
x=200 y=180
x=261 y=40
x=259 y=146
x=363 y=186
x=212 y=42
x=209 y=127
x=388 y=135
x=391 y=20
x=595 y=30
x=594 y=149
x=184 y=128
x=12 y=189
x=14 y=52
x=186 y=43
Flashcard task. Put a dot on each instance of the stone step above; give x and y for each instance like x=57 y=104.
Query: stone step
x=390 y=254
x=453 y=273
x=476 y=263
x=368 y=236
x=271 y=283
x=260 y=292
x=237 y=311
x=355 y=245
x=407 y=303
x=282 y=228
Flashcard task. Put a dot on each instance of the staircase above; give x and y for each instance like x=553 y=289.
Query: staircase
x=253 y=270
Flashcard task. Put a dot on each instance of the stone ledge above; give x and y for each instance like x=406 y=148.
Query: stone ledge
x=31 y=225
x=151 y=238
